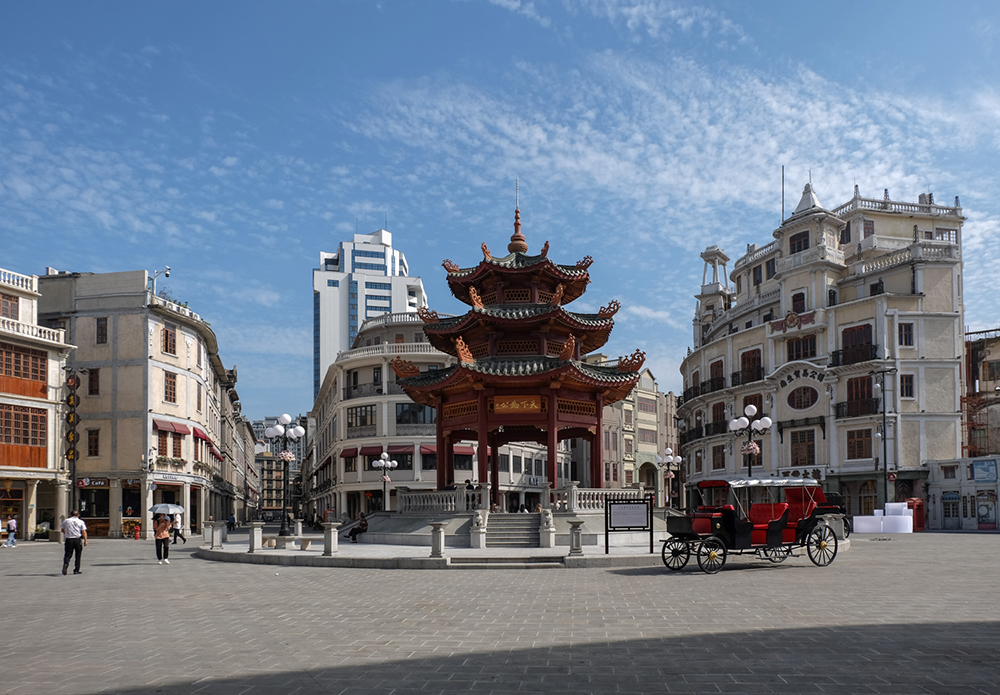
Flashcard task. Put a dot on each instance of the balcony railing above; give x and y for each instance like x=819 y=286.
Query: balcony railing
x=416 y=430
x=864 y=406
x=747 y=376
x=28 y=283
x=389 y=349
x=692 y=392
x=712 y=385
x=853 y=355
x=31 y=330
x=362 y=390
x=714 y=428
x=359 y=432
x=691 y=435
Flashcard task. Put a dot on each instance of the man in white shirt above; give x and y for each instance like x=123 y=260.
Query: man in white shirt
x=75 y=532
x=12 y=532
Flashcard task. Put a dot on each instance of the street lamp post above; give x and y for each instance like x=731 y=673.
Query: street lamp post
x=880 y=432
x=283 y=434
x=742 y=426
x=668 y=458
x=385 y=465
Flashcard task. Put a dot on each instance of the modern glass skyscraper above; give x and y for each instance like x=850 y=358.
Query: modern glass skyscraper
x=363 y=279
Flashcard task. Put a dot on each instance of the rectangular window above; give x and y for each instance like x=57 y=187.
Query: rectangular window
x=756 y=400
x=350 y=464
x=161 y=443
x=9 y=306
x=628 y=446
x=845 y=234
x=361 y=416
x=906 y=386
x=415 y=414
x=647 y=405
x=719 y=412
x=798 y=243
x=628 y=417
x=429 y=462
x=403 y=461
x=758 y=276
x=906 y=334
x=199 y=353
x=859 y=444
x=607 y=440
x=802 y=348
x=770 y=268
x=333 y=283
x=169 y=387
x=517 y=463
x=739 y=284
x=94 y=382
x=647 y=436
x=718 y=458
x=93 y=442
x=949 y=472
x=994 y=370
x=859 y=388
x=169 y=339
x=869 y=228
x=614 y=472
x=101 y=330
x=23 y=363
x=803 y=445
x=463 y=462
x=178 y=439
x=22 y=425
x=799 y=302
x=198 y=396
x=378 y=286
x=504 y=463
x=539 y=468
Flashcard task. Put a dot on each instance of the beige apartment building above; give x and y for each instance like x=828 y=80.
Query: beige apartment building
x=159 y=413
x=34 y=472
x=843 y=304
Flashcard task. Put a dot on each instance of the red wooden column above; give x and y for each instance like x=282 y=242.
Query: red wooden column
x=482 y=453
x=442 y=480
x=553 y=441
x=597 y=447
x=494 y=469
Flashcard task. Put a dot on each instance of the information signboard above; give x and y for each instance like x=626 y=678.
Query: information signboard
x=632 y=514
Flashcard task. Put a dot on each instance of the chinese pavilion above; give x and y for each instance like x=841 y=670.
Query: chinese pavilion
x=519 y=376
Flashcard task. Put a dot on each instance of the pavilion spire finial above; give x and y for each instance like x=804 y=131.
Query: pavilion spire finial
x=517 y=244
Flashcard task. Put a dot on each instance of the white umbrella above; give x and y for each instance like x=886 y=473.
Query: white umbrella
x=167 y=509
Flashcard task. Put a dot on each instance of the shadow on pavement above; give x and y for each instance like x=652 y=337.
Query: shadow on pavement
x=952 y=658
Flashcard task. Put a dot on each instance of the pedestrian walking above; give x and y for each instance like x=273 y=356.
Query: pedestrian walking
x=232 y=522
x=178 y=529
x=362 y=527
x=161 y=532
x=75 y=538
x=12 y=532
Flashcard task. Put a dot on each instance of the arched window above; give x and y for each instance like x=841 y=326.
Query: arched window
x=868 y=496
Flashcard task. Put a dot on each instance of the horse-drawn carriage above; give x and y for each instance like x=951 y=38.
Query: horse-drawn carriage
x=768 y=517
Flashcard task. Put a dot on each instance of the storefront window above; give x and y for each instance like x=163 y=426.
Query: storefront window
x=94 y=503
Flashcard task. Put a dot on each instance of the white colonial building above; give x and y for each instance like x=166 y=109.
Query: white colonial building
x=807 y=327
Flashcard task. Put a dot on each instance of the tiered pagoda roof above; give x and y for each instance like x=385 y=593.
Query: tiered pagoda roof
x=517 y=332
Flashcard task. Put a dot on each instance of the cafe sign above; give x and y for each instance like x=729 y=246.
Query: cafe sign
x=517 y=404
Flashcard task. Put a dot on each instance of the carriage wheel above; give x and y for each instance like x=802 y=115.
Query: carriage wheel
x=676 y=554
x=776 y=555
x=711 y=555
x=822 y=546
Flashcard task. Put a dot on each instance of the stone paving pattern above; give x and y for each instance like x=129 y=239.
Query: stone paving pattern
x=914 y=614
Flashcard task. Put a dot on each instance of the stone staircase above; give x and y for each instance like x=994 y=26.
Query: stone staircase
x=513 y=530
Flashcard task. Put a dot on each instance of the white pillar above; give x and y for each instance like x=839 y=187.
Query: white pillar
x=330 y=536
x=30 y=509
x=186 y=503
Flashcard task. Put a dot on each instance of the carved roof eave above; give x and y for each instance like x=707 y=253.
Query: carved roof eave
x=616 y=385
x=573 y=278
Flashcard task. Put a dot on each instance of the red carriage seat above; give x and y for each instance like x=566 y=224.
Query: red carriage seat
x=801 y=505
x=762 y=515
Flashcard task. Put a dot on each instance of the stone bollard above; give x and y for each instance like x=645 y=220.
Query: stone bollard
x=298 y=527
x=330 y=536
x=477 y=536
x=256 y=536
x=214 y=530
x=575 y=537
x=437 y=538
x=223 y=528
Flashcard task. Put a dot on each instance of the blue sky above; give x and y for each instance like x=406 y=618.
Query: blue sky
x=235 y=141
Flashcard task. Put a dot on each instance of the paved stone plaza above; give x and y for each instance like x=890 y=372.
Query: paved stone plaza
x=914 y=614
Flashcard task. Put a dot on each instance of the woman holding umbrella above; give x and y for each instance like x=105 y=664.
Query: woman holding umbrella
x=161 y=528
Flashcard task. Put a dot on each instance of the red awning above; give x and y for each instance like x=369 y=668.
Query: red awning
x=349 y=453
x=400 y=449
x=163 y=425
x=181 y=429
x=428 y=449
x=464 y=450
x=371 y=450
x=201 y=435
